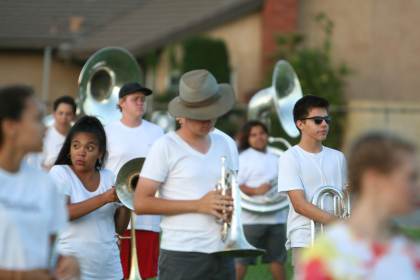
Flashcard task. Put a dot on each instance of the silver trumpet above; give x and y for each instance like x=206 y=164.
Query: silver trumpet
x=340 y=202
x=232 y=234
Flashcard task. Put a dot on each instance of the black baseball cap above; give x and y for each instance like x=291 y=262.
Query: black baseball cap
x=130 y=88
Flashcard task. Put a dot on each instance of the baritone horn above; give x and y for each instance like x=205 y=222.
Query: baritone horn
x=232 y=235
x=323 y=199
x=125 y=187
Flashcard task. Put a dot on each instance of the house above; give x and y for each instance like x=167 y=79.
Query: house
x=45 y=44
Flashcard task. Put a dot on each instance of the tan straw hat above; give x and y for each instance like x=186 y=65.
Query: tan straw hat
x=201 y=97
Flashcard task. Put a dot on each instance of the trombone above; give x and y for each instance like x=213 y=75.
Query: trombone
x=125 y=186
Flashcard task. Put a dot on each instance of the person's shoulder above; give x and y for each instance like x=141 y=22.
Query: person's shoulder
x=332 y=151
x=57 y=169
x=247 y=153
x=112 y=126
x=107 y=174
x=154 y=127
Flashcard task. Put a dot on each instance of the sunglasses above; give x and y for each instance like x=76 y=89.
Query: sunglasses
x=318 y=120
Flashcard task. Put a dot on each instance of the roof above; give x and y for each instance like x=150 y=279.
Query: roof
x=81 y=27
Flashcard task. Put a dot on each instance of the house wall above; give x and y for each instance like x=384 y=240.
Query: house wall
x=27 y=68
x=378 y=40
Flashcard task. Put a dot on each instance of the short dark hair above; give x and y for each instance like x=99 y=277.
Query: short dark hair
x=87 y=124
x=246 y=130
x=306 y=103
x=12 y=103
x=379 y=151
x=66 y=100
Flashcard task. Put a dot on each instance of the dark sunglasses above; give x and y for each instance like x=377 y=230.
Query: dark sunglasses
x=318 y=120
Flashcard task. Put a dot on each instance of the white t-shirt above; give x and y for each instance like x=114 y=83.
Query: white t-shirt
x=53 y=141
x=232 y=147
x=90 y=238
x=301 y=170
x=125 y=143
x=31 y=210
x=187 y=175
x=256 y=168
x=341 y=254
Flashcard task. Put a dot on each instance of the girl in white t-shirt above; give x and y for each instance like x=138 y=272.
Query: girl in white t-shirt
x=32 y=210
x=95 y=213
x=185 y=167
x=383 y=179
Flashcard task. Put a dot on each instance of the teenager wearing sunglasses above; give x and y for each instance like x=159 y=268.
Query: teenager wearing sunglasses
x=305 y=168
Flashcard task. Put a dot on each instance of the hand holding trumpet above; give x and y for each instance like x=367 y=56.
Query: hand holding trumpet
x=216 y=204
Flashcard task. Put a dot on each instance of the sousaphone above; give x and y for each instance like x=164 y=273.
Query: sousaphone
x=100 y=80
x=280 y=97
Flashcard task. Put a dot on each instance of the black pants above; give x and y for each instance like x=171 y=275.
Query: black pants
x=175 y=265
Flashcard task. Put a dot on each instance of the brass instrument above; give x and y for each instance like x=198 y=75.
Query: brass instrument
x=340 y=202
x=280 y=97
x=232 y=235
x=100 y=80
x=125 y=186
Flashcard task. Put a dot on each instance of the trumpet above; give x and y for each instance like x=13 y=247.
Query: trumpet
x=341 y=206
x=232 y=234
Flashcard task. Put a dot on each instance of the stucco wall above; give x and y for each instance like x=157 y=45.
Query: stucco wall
x=27 y=68
x=378 y=39
x=243 y=40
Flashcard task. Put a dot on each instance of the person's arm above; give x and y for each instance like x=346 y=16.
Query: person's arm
x=121 y=219
x=80 y=209
x=260 y=190
x=145 y=202
x=34 y=274
x=307 y=209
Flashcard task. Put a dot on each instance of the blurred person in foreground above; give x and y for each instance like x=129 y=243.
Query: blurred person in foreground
x=32 y=210
x=383 y=180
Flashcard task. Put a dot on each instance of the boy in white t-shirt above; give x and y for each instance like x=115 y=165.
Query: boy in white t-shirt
x=129 y=138
x=307 y=167
x=185 y=166
x=32 y=210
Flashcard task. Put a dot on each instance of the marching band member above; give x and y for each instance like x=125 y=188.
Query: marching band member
x=185 y=166
x=129 y=138
x=94 y=212
x=306 y=167
x=32 y=210
x=383 y=177
x=64 y=112
x=257 y=169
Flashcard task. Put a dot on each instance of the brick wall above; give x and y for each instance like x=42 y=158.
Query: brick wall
x=278 y=16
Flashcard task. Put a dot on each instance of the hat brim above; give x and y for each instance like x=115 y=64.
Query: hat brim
x=208 y=112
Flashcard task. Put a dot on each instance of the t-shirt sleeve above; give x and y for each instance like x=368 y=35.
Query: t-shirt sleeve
x=156 y=165
x=60 y=178
x=59 y=214
x=288 y=176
